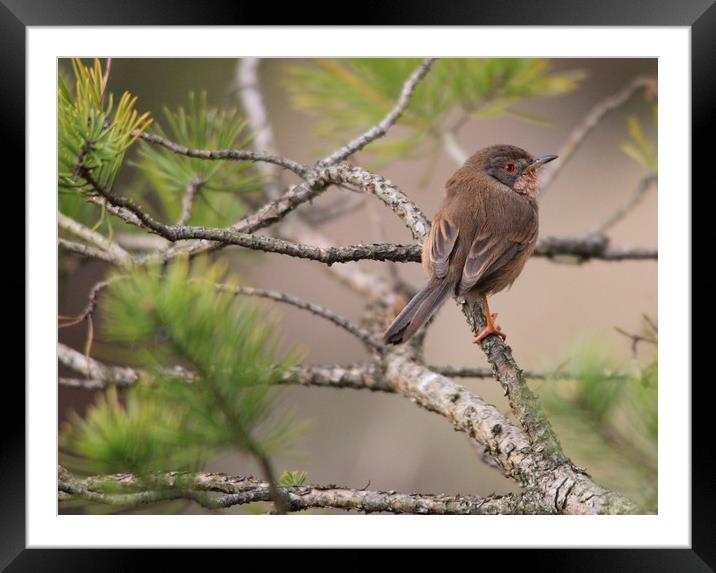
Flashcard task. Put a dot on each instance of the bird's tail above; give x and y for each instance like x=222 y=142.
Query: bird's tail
x=417 y=311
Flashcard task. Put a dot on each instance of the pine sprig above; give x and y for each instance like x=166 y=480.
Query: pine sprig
x=608 y=423
x=348 y=94
x=639 y=147
x=199 y=126
x=93 y=133
x=178 y=317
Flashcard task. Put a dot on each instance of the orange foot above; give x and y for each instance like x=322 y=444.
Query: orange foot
x=491 y=328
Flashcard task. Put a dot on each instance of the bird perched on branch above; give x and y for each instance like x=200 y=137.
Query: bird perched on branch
x=481 y=237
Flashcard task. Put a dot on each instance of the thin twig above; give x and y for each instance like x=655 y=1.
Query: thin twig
x=249 y=90
x=187 y=203
x=318 y=310
x=89 y=307
x=95 y=239
x=382 y=127
x=645 y=184
x=590 y=121
x=224 y=154
x=87 y=251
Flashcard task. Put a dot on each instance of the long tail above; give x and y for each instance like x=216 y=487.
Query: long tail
x=417 y=311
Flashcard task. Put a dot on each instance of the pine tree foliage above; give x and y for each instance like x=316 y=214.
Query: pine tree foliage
x=169 y=175
x=609 y=423
x=639 y=146
x=348 y=94
x=177 y=317
x=93 y=132
x=172 y=320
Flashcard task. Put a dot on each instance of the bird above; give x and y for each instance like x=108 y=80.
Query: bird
x=481 y=237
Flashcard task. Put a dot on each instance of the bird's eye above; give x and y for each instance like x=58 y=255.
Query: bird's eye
x=510 y=167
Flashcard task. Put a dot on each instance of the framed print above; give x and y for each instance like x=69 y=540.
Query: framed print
x=229 y=277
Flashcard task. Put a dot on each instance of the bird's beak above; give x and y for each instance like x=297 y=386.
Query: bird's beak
x=540 y=161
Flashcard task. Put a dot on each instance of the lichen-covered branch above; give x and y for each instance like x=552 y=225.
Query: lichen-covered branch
x=547 y=473
x=219 y=491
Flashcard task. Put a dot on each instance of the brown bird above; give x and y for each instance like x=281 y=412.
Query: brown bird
x=481 y=236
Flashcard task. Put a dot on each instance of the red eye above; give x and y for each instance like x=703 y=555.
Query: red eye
x=510 y=167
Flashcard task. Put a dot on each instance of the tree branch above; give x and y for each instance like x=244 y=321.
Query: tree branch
x=224 y=154
x=249 y=90
x=380 y=129
x=87 y=251
x=645 y=183
x=114 y=251
x=217 y=491
x=556 y=482
x=318 y=310
x=590 y=121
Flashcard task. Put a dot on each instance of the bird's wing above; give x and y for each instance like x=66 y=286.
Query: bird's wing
x=442 y=241
x=508 y=226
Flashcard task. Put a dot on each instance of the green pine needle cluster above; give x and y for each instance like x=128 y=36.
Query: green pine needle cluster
x=609 y=423
x=639 y=147
x=347 y=95
x=177 y=317
x=168 y=174
x=93 y=132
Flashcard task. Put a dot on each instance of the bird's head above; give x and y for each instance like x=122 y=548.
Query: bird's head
x=511 y=166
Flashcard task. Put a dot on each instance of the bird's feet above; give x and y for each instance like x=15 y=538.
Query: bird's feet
x=491 y=328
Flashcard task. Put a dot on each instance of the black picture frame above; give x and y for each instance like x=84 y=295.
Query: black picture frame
x=699 y=15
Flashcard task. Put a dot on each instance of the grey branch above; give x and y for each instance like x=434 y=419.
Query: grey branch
x=477 y=372
x=645 y=184
x=318 y=310
x=100 y=375
x=591 y=247
x=508 y=445
x=113 y=251
x=590 y=121
x=381 y=128
x=187 y=203
x=531 y=465
x=218 y=491
x=95 y=370
x=249 y=91
x=87 y=251
x=225 y=154
x=385 y=190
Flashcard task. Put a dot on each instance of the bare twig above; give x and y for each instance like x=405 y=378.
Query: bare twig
x=636 y=339
x=224 y=154
x=253 y=103
x=476 y=372
x=591 y=247
x=87 y=251
x=453 y=148
x=318 y=310
x=118 y=375
x=187 y=203
x=645 y=183
x=367 y=377
x=590 y=121
x=89 y=308
x=381 y=128
x=95 y=239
